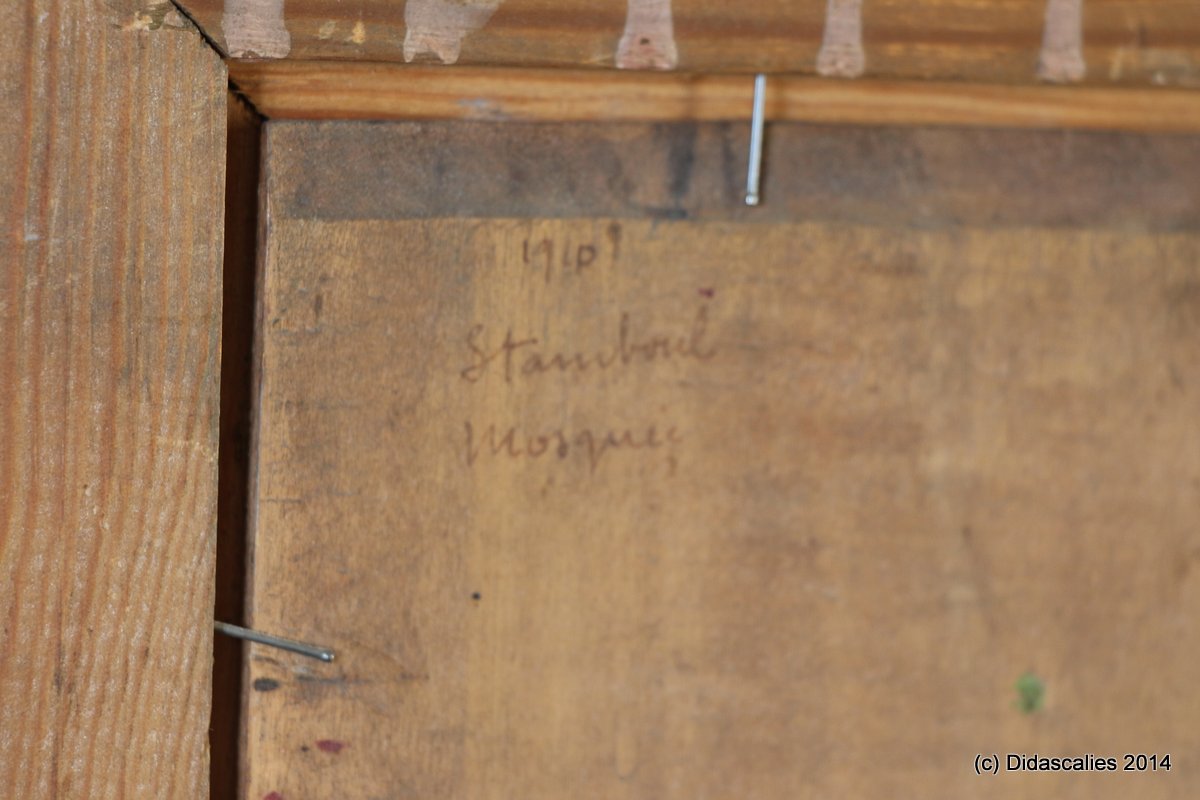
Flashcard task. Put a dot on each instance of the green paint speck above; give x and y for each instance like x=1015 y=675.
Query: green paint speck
x=1030 y=693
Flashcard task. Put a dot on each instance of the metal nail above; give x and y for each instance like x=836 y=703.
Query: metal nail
x=754 y=170
x=291 y=645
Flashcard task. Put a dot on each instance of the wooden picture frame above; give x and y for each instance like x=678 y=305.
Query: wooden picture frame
x=127 y=313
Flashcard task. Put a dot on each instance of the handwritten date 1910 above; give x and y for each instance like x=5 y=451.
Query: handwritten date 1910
x=566 y=257
x=595 y=444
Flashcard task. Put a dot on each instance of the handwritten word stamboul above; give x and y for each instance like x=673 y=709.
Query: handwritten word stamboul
x=527 y=357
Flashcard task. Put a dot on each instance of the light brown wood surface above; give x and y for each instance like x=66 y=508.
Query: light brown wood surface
x=771 y=503
x=339 y=90
x=1137 y=42
x=112 y=162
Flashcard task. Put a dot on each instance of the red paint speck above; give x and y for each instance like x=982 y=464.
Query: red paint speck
x=272 y=796
x=707 y=293
x=329 y=746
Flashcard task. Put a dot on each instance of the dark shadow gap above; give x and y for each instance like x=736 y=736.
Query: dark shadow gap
x=237 y=340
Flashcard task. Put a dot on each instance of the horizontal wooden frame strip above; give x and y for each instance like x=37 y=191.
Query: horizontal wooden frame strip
x=1100 y=42
x=341 y=90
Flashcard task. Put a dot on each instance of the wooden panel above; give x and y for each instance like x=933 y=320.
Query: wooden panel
x=112 y=157
x=1139 y=42
x=338 y=90
x=605 y=486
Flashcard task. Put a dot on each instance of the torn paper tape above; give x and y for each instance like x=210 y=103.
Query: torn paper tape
x=436 y=28
x=649 y=38
x=255 y=29
x=1061 y=59
x=841 y=54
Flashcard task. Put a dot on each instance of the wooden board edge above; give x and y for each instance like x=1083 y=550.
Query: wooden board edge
x=317 y=90
x=110 y=317
x=1019 y=41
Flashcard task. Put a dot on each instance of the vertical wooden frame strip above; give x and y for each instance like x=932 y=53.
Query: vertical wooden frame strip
x=110 y=311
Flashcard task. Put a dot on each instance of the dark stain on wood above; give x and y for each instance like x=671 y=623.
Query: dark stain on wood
x=423 y=170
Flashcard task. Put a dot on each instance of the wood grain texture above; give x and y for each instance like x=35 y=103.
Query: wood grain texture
x=338 y=90
x=771 y=505
x=112 y=156
x=1136 y=42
